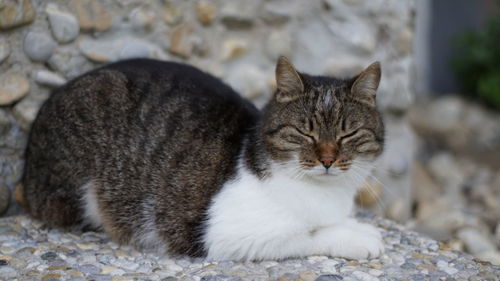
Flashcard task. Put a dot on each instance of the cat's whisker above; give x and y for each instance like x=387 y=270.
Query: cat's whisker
x=377 y=198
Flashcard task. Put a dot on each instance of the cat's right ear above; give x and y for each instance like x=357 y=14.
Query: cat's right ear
x=289 y=83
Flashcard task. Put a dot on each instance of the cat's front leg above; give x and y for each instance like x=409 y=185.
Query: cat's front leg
x=351 y=239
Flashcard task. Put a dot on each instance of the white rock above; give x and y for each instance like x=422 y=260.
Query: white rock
x=119 y=48
x=64 y=25
x=279 y=43
x=375 y=272
x=4 y=50
x=328 y=266
x=248 y=80
x=475 y=241
x=363 y=276
x=38 y=45
x=49 y=78
x=444 y=266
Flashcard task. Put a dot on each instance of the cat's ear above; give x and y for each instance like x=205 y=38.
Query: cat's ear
x=288 y=80
x=364 y=88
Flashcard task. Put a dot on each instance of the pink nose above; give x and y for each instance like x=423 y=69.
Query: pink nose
x=327 y=161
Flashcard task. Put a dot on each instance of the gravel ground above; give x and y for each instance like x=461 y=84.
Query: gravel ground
x=29 y=251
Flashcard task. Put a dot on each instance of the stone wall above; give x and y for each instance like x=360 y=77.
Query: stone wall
x=45 y=43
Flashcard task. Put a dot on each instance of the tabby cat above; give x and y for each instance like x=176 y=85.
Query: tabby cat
x=163 y=156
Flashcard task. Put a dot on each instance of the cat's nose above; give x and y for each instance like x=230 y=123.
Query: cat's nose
x=327 y=161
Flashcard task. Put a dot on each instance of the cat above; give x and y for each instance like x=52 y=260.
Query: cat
x=165 y=157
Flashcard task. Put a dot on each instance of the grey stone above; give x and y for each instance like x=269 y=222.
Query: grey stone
x=64 y=25
x=119 y=48
x=48 y=256
x=38 y=45
x=4 y=50
x=48 y=78
x=363 y=276
x=329 y=277
x=89 y=269
x=11 y=168
x=7 y=272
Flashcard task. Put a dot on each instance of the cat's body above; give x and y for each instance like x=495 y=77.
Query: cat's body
x=161 y=155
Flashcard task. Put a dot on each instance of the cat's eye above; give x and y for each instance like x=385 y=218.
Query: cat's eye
x=309 y=136
x=311 y=125
x=344 y=138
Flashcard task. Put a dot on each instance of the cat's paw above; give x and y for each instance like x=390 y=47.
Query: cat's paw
x=360 y=242
x=361 y=246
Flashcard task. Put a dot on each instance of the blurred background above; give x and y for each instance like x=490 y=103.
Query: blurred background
x=440 y=90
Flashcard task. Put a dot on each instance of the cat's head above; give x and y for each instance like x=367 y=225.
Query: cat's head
x=322 y=127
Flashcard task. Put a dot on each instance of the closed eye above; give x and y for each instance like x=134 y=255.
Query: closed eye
x=344 y=138
x=312 y=138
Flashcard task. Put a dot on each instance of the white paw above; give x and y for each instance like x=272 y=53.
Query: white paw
x=355 y=241
x=361 y=246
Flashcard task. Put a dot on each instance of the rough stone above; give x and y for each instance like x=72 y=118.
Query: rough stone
x=15 y=13
x=4 y=50
x=206 y=12
x=13 y=87
x=48 y=78
x=92 y=15
x=64 y=25
x=38 y=45
x=180 y=40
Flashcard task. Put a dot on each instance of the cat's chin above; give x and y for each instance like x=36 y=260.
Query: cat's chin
x=320 y=173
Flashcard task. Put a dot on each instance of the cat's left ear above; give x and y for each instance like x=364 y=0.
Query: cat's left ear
x=364 y=88
x=288 y=80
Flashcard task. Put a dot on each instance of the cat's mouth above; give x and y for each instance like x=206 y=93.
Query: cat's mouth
x=322 y=172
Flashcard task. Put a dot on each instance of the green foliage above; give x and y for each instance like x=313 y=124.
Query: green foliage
x=477 y=62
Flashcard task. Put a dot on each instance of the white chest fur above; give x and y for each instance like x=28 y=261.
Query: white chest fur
x=275 y=218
